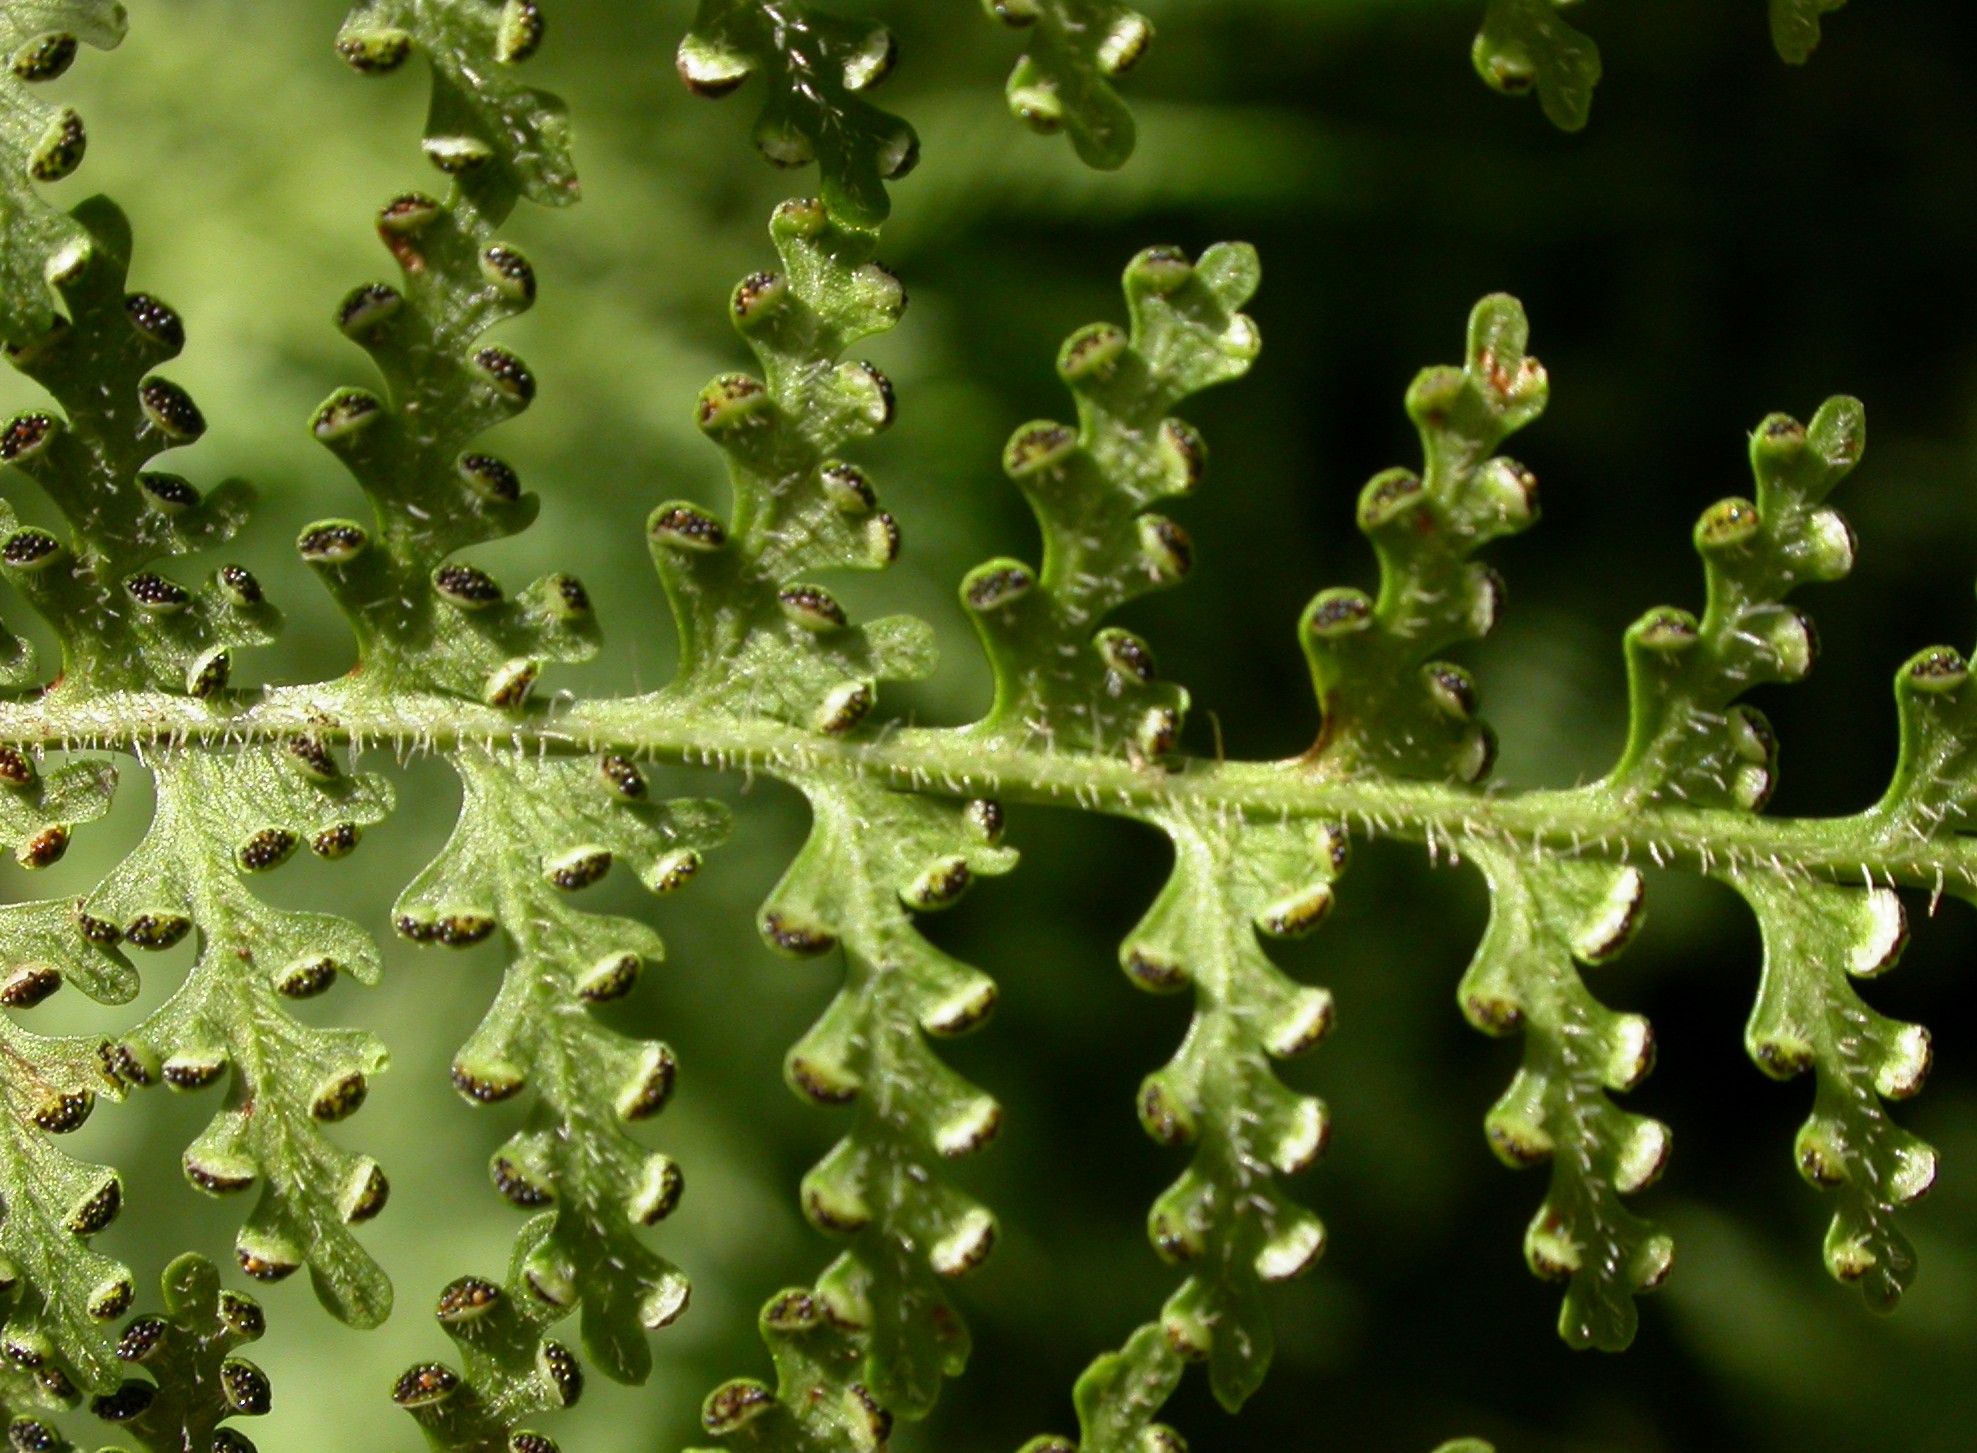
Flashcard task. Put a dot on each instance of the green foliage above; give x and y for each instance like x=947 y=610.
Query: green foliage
x=759 y=637
x=197 y=1383
x=1059 y=682
x=1527 y=45
x=220 y=821
x=513 y=1372
x=776 y=679
x=531 y=835
x=1119 y=1396
x=1544 y=922
x=817 y=68
x=1076 y=50
x=483 y=125
x=1387 y=705
x=61 y=1292
x=40 y=143
x=423 y=622
x=1226 y=1219
x=1795 y=26
x=123 y=627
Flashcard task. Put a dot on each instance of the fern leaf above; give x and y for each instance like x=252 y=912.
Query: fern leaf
x=1387 y=705
x=513 y=1372
x=197 y=1382
x=1226 y=1219
x=818 y=1404
x=123 y=625
x=1545 y=919
x=124 y=628
x=43 y=944
x=1808 y=1016
x=1795 y=26
x=1077 y=49
x=1060 y=680
x=221 y=820
x=817 y=68
x=1686 y=741
x=425 y=622
x=1526 y=45
x=62 y=1294
x=1690 y=745
x=40 y=143
x=1073 y=688
x=532 y=834
x=874 y=858
x=484 y=126
x=760 y=637
x=1119 y=1396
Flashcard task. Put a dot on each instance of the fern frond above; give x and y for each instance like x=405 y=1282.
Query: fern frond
x=1795 y=26
x=483 y=122
x=1527 y=45
x=1120 y=1395
x=40 y=143
x=776 y=677
x=221 y=820
x=818 y=1405
x=532 y=834
x=875 y=858
x=61 y=1293
x=1076 y=50
x=762 y=640
x=124 y=628
x=197 y=1383
x=1226 y=1219
x=533 y=829
x=1808 y=1016
x=1686 y=741
x=1545 y=920
x=817 y=68
x=1081 y=689
x=513 y=1371
x=123 y=625
x=1062 y=682
x=425 y=622
x=760 y=637
x=40 y=941
x=1387 y=704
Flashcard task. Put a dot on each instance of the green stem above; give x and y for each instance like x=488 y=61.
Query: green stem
x=1589 y=822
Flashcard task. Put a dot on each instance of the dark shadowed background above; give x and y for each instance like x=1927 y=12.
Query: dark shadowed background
x=1729 y=237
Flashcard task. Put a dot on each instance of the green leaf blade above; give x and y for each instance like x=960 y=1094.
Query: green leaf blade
x=1058 y=679
x=1795 y=27
x=533 y=833
x=1064 y=81
x=1525 y=45
x=1808 y=1015
x=40 y=143
x=485 y=127
x=816 y=68
x=1545 y=918
x=1387 y=704
x=284 y=1080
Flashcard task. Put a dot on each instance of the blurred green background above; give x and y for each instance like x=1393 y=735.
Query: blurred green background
x=1730 y=236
